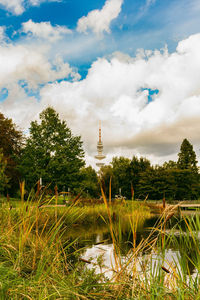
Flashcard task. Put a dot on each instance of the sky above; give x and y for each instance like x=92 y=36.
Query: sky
x=133 y=64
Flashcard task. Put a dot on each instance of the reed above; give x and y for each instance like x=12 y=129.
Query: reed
x=37 y=262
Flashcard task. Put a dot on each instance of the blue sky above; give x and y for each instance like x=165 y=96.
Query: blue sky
x=141 y=24
x=134 y=64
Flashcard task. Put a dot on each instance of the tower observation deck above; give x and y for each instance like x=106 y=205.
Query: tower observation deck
x=100 y=156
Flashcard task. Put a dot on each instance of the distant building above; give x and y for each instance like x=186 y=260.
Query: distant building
x=100 y=156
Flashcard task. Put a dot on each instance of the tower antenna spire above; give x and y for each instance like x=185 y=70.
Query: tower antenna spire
x=100 y=131
x=100 y=154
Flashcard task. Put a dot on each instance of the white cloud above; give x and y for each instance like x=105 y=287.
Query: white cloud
x=23 y=108
x=29 y=66
x=45 y=30
x=113 y=92
x=99 y=20
x=116 y=92
x=29 y=63
x=17 y=7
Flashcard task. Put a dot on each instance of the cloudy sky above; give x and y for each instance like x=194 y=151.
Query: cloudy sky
x=133 y=64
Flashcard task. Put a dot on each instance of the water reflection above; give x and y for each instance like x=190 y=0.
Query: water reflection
x=94 y=243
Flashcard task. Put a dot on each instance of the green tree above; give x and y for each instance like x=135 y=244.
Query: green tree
x=187 y=177
x=187 y=184
x=138 y=166
x=11 y=140
x=157 y=182
x=125 y=174
x=89 y=182
x=187 y=157
x=106 y=173
x=170 y=165
x=121 y=175
x=3 y=178
x=52 y=152
x=117 y=171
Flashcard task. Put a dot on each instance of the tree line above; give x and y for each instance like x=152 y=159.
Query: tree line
x=137 y=177
x=50 y=151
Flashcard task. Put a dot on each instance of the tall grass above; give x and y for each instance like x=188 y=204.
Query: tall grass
x=37 y=262
x=159 y=277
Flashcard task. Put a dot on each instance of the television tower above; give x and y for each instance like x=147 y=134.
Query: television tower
x=100 y=155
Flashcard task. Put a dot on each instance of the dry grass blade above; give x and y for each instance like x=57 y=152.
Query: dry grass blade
x=110 y=191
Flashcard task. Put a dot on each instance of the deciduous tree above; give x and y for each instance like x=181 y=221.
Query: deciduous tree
x=52 y=152
x=89 y=182
x=11 y=143
x=3 y=178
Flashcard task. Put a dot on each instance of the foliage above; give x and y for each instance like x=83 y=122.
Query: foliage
x=138 y=167
x=174 y=180
x=106 y=174
x=157 y=183
x=3 y=178
x=89 y=182
x=187 y=157
x=174 y=184
x=187 y=184
x=52 y=152
x=11 y=140
x=125 y=173
x=121 y=174
x=168 y=165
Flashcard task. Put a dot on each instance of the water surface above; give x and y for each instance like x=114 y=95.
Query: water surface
x=94 y=243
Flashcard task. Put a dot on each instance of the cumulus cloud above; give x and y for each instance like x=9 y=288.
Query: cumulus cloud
x=23 y=108
x=24 y=69
x=164 y=139
x=22 y=62
x=99 y=20
x=117 y=92
x=120 y=91
x=45 y=30
x=17 y=7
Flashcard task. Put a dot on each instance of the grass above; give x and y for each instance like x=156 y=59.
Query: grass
x=38 y=262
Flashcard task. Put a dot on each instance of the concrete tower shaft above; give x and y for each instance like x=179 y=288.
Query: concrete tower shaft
x=100 y=155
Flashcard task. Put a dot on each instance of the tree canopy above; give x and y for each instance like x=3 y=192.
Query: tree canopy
x=10 y=137
x=10 y=144
x=52 y=152
x=3 y=178
x=187 y=157
x=174 y=180
x=89 y=185
x=126 y=174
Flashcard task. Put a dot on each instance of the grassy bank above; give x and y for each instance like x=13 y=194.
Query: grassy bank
x=37 y=262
